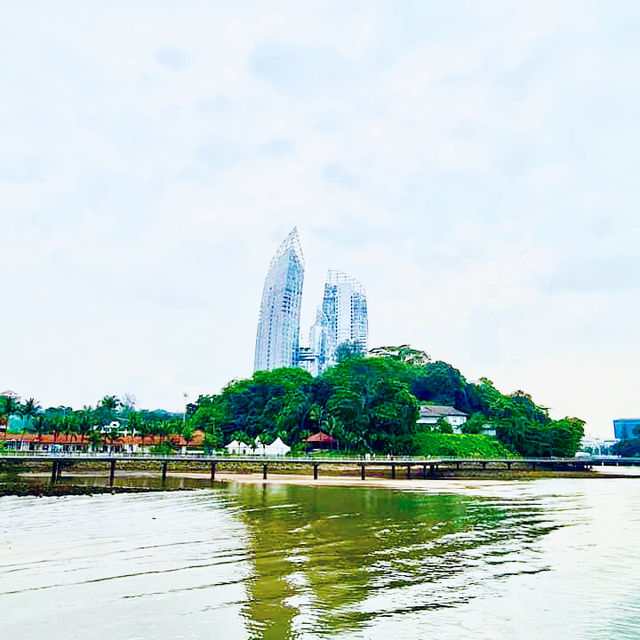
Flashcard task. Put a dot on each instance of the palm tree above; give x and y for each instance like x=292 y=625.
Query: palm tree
x=83 y=422
x=8 y=406
x=110 y=402
x=40 y=425
x=29 y=410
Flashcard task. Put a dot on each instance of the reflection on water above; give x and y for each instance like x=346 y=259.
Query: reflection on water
x=337 y=559
x=554 y=557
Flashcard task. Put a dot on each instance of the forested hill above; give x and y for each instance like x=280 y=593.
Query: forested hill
x=371 y=404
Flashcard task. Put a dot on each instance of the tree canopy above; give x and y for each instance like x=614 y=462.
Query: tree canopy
x=365 y=404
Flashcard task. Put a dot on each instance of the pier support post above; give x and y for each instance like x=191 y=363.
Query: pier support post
x=54 y=472
x=424 y=470
x=264 y=471
x=361 y=472
x=213 y=472
x=458 y=466
x=393 y=471
x=112 y=472
x=59 y=475
x=315 y=471
x=432 y=470
x=164 y=473
x=408 y=472
x=509 y=466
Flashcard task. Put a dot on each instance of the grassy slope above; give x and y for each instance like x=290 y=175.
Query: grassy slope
x=460 y=445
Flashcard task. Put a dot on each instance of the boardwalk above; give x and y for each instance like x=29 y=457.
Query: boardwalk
x=426 y=467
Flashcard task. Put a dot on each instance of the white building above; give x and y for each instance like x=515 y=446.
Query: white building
x=431 y=414
x=344 y=309
x=278 y=335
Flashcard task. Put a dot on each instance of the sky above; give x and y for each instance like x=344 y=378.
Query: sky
x=474 y=165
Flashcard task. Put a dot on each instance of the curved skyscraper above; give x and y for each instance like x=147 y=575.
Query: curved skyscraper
x=277 y=341
x=345 y=307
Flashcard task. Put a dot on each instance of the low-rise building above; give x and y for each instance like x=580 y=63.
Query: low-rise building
x=72 y=443
x=431 y=414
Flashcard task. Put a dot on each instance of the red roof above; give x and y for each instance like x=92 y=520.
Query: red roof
x=320 y=438
x=61 y=438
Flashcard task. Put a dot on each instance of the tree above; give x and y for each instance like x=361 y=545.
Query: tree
x=8 y=406
x=95 y=438
x=29 y=410
x=105 y=412
x=134 y=422
x=475 y=423
x=443 y=426
x=403 y=353
x=40 y=425
x=347 y=351
x=84 y=422
x=110 y=402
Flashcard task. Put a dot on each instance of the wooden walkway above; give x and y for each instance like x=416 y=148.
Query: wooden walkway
x=426 y=467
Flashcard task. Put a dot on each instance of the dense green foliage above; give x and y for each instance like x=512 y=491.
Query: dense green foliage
x=361 y=402
x=460 y=446
x=371 y=404
x=366 y=404
x=102 y=424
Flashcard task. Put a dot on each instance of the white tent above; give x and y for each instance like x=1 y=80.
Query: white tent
x=276 y=448
x=239 y=448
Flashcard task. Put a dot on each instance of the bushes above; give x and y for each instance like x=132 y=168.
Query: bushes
x=460 y=445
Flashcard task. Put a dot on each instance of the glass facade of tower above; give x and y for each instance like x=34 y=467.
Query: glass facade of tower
x=321 y=340
x=345 y=307
x=277 y=340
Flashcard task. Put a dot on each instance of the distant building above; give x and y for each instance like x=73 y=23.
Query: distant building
x=63 y=443
x=309 y=361
x=319 y=354
x=431 y=414
x=597 y=446
x=344 y=307
x=626 y=428
x=278 y=334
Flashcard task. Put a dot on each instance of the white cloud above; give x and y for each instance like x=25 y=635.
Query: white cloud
x=474 y=165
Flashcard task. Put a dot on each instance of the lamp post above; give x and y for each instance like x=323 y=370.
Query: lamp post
x=184 y=413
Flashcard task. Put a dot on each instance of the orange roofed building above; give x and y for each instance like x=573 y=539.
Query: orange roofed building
x=63 y=443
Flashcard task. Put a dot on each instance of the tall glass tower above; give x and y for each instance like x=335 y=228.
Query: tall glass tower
x=345 y=307
x=277 y=341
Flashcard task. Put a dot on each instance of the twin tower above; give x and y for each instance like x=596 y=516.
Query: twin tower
x=341 y=319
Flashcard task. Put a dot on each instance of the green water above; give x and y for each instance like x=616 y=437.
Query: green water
x=513 y=560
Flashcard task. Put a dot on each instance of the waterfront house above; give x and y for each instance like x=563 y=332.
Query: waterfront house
x=431 y=414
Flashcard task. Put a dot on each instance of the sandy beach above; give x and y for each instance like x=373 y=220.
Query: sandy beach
x=415 y=484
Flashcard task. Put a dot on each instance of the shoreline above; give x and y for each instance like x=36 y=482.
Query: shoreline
x=26 y=484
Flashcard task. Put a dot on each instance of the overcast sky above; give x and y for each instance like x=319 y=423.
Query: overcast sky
x=475 y=165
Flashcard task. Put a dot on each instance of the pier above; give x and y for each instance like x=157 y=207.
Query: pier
x=408 y=467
